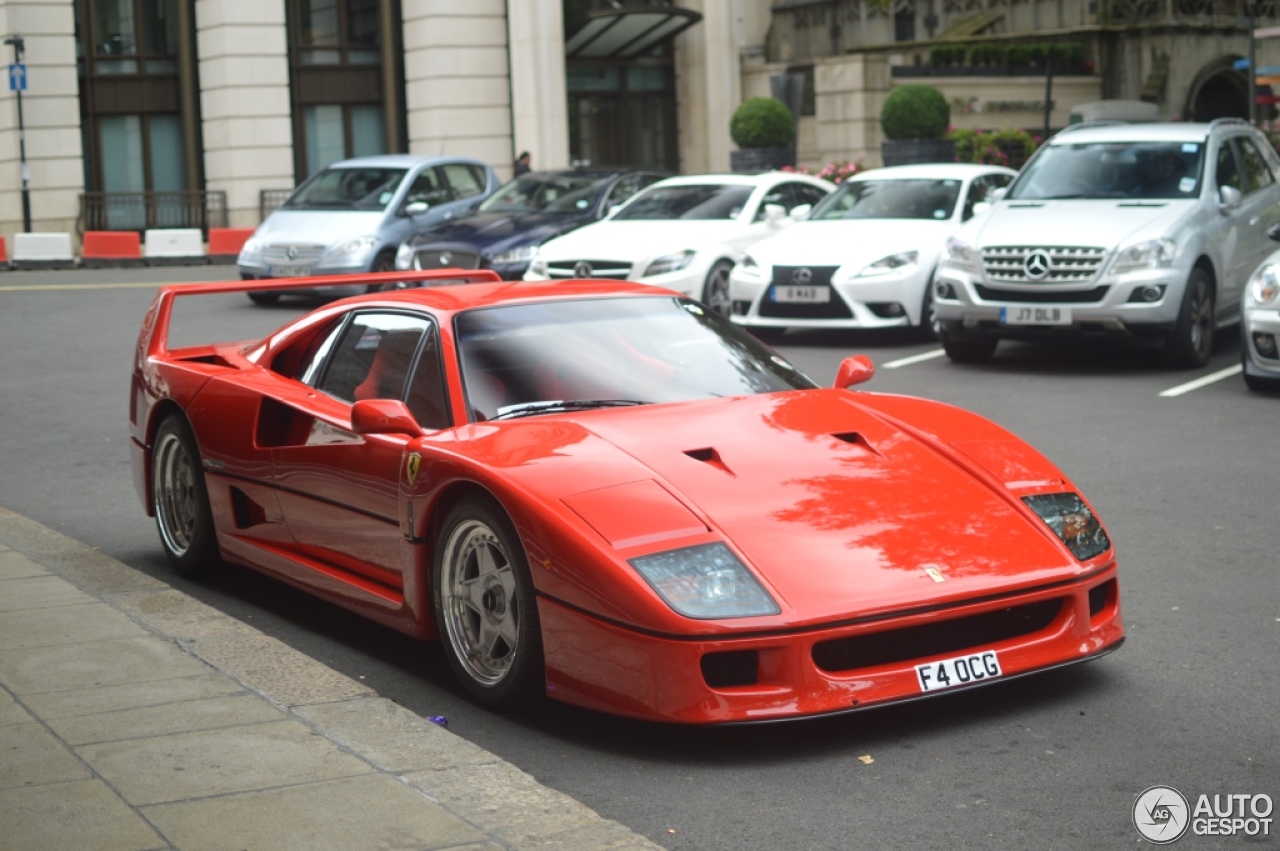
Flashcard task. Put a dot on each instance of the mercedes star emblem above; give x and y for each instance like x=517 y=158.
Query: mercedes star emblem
x=445 y=257
x=1037 y=264
x=291 y=252
x=803 y=275
x=582 y=270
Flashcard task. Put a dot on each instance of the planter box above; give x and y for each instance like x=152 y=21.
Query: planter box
x=756 y=160
x=911 y=151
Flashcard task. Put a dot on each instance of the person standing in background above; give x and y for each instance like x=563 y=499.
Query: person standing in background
x=522 y=163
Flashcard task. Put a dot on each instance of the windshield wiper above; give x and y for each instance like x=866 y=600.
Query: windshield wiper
x=527 y=408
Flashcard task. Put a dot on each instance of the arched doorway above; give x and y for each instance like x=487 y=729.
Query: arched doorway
x=1218 y=91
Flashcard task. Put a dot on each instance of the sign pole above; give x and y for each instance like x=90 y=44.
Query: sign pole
x=1253 y=69
x=19 y=47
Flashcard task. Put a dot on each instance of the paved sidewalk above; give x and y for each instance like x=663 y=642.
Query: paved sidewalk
x=134 y=717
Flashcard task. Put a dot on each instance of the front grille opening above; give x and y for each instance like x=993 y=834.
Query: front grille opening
x=1102 y=597
x=949 y=636
x=731 y=668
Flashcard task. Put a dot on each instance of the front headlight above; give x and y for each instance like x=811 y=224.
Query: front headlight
x=889 y=265
x=516 y=255
x=404 y=256
x=962 y=255
x=1152 y=254
x=706 y=581
x=749 y=268
x=1264 y=287
x=251 y=246
x=1072 y=521
x=357 y=247
x=669 y=263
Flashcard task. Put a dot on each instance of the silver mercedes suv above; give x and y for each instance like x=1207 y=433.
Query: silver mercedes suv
x=1147 y=232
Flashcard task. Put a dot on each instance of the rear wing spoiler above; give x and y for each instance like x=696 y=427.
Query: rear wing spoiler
x=153 y=338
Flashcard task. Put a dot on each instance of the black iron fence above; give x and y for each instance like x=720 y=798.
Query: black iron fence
x=270 y=199
x=139 y=211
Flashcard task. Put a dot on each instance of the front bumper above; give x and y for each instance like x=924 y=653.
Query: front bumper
x=608 y=667
x=1256 y=322
x=1109 y=305
x=886 y=301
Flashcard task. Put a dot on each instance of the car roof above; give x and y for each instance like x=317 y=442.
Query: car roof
x=762 y=179
x=401 y=161
x=1169 y=132
x=957 y=171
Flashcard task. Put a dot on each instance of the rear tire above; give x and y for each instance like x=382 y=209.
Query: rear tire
x=968 y=351
x=485 y=606
x=180 y=500
x=715 y=292
x=1190 y=344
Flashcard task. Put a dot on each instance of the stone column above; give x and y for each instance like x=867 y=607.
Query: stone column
x=850 y=90
x=244 y=101
x=457 y=79
x=51 y=116
x=539 y=98
x=708 y=86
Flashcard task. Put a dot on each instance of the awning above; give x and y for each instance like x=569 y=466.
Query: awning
x=627 y=31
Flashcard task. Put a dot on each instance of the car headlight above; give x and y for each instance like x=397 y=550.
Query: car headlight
x=962 y=255
x=516 y=255
x=706 y=581
x=669 y=263
x=1072 y=521
x=1264 y=287
x=357 y=247
x=404 y=256
x=251 y=246
x=890 y=264
x=1152 y=254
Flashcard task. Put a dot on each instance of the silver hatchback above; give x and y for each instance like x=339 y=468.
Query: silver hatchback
x=352 y=216
x=1260 y=324
x=1147 y=232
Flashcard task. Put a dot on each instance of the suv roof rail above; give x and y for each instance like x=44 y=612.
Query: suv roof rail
x=1097 y=122
x=1220 y=121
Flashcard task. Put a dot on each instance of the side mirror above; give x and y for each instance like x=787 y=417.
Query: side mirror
x=613 y=208
x=1273 y=232
x=416 y=208
x=800 y=212
x=996 y=194
x=854 y=370
x=774 y=213
x=383 y=416
x=981 y=208
x=1229 y=198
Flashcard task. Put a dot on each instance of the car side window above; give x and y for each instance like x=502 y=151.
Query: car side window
x=1227 y=172
x=372 y=357
x=462 y=180
x=627 y=186
x=428 y=400
x=429 y=187
x=1256 y=172
x=806 y=194
x=777 y=195
x=980 y=190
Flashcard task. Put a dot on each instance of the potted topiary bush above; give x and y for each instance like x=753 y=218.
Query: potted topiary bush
x=914 y=119
x=763 y=129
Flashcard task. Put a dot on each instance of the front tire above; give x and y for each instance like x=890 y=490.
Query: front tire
x=385 y=262
x=715 y=292
x=968 y=351
x=264 y=299
x=485 y=605
x=180 y=500
x=1190 y=344
x=930 y=326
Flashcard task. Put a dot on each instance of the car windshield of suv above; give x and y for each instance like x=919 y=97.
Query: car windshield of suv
x=348 y=189
x=890 y=199
x=528 y=359
x=1112 y=170
x=699 y=201
x=542 y=193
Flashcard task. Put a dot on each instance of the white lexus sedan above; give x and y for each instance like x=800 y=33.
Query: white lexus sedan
x=866 y=255
x=683 y=233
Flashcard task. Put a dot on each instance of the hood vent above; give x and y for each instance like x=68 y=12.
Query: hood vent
x=855 y=439
x=711 y=457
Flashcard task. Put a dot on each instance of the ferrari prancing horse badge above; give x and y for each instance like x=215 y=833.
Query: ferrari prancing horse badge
x=415 y=461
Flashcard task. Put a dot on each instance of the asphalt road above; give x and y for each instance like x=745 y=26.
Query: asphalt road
x=1187 y=483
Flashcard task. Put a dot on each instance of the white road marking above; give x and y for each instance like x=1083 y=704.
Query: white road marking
x=894 y=364
x=1211 y=378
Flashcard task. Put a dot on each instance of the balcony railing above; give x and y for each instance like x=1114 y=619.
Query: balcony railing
x=269 y=200
x=140 y=211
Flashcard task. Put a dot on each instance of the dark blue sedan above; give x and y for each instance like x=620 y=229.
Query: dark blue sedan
x=508 y=227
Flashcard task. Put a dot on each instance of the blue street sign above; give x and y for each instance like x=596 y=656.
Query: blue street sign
x=18 y=77
x=1240 y=64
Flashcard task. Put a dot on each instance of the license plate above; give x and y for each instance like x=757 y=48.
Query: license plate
x=290 y=271
x=1035 y=316
x=802 y=295
x=959 y=671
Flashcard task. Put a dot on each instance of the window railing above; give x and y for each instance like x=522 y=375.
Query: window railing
x=139 y=211
x=269 y=200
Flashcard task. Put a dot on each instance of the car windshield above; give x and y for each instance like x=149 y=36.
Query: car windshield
x=891 y=199
x=1112 y=170
x=348 y=189
x=542 y=193
x=699 y=201
x=528 y=359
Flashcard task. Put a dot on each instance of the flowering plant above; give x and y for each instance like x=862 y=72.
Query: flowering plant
x=836 y=172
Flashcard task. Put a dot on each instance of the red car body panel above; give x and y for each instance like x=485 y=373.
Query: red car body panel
x=841 y=503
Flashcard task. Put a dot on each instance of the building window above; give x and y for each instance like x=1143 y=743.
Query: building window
x=904 y=26
x=345 y=81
